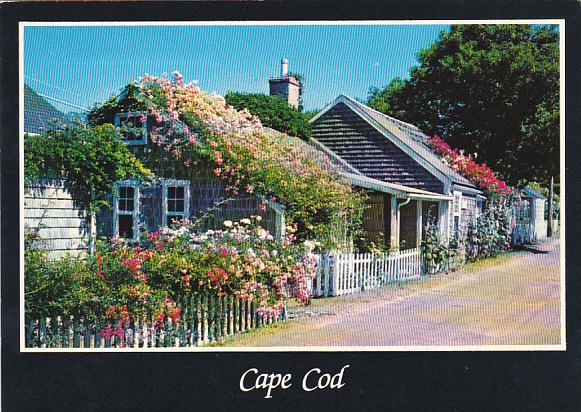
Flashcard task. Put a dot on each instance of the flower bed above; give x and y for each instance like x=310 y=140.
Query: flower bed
x=124 y=284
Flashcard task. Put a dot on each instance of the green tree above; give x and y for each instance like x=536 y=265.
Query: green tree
x=489 y=89
x=273 y=112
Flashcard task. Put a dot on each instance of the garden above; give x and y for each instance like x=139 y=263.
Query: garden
x=201 y=286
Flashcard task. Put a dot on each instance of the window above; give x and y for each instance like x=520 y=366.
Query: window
x=175 y=200
x=457 y=210
x=457 y=203
x=126 y=210
x=133 y=127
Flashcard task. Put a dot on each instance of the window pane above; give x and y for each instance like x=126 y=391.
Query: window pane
x=179 y=205
x=125 y=226
x=180 y=192
x=131 y=127
x=175 y=198
x=125 y=201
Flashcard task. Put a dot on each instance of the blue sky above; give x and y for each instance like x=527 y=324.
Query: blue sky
x=84 y=65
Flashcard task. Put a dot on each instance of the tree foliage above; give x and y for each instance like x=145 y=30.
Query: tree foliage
x=489 y=89
x=273 y=112
x=91 y=159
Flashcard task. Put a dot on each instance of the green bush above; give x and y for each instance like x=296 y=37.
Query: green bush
x=91 y=159
x=487 y=235
x=273 y=112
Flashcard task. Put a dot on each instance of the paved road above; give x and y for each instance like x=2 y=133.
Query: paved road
x=511 y=300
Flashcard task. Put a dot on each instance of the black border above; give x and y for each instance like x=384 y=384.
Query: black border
x=375 y=380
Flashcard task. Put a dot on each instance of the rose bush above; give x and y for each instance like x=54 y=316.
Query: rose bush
x=146 y=280
x=479 y=174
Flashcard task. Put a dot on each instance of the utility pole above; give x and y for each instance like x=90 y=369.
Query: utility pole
x=551 y=207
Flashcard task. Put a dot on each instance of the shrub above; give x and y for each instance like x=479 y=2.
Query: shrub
x=144 y=280
x=273 y=112
x=91 y=159
x=435 y=250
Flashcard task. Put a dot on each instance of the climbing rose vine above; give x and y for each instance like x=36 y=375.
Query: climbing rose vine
x=199 y=131
x=479 y=174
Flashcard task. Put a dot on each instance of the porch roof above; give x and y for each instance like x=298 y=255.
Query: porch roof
x=392 y=188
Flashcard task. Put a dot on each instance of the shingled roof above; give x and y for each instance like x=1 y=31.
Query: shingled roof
x=328 y=160
x=39 y=115
x=384 y=148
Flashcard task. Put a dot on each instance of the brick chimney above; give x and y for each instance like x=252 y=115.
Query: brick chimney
x=285 y=86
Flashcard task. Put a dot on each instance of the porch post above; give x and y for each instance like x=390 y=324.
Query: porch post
x=419 y=224
x=444 y=218
x=394 y=229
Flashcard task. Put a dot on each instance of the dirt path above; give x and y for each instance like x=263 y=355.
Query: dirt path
x=511 y=300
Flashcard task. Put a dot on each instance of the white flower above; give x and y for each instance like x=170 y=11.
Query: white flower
x=258 y=218
x=228 y=223
x=309 y=245
x=274 y=252
x=245 y=221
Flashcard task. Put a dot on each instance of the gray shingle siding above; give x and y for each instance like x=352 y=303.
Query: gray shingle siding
x=369 y=151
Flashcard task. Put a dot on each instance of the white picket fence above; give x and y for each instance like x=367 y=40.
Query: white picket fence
x=346 y=273
x=204 y=319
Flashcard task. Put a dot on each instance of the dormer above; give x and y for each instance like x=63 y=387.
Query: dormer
x=132 y=127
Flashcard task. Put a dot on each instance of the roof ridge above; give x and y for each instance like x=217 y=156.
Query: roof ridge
x=411 y=126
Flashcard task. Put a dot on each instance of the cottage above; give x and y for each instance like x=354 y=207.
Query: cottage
x=195 y=188
x=408 y=183
x=177 y=193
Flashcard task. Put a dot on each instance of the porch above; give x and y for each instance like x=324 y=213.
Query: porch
x=397 y=215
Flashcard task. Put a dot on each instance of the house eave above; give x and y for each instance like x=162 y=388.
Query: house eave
x=393 y=189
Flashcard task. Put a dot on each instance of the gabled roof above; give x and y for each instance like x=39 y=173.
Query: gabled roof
x=39 y=115
x=392 y=188
x=407 y=137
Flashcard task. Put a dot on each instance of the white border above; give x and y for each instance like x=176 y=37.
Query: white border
x=558 y=347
